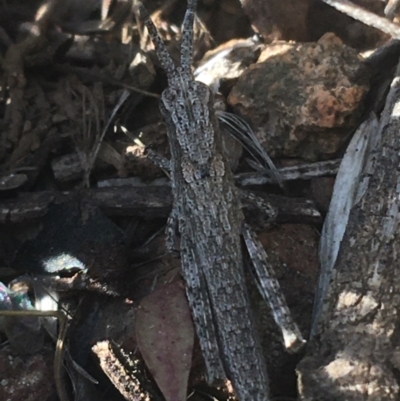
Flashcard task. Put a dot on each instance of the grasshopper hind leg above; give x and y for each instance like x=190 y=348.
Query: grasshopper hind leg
x=271 y=291
x=202 y=314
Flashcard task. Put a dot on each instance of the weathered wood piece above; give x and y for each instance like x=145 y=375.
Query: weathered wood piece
x=304 y=171
x=147 y=201
x=355 y=352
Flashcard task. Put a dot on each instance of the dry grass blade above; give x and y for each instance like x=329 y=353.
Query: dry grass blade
x=245 y=135
x=100 y=138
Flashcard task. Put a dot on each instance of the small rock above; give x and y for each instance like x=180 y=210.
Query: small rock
x=303 y=100
x=227 y=61
x=275 y=19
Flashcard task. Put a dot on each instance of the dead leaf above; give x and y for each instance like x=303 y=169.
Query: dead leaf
x=165 y=336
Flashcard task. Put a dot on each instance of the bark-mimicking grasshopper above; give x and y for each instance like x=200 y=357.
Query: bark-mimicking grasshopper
x=207 y=213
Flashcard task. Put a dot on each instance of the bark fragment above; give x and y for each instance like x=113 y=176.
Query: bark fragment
x=352 y=354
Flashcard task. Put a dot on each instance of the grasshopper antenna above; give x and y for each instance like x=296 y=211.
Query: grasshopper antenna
x=187 y=37
x=162 y=52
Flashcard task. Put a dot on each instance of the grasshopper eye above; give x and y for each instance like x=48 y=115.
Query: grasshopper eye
x=169 y=95
x=169 y=98
x=203 y=92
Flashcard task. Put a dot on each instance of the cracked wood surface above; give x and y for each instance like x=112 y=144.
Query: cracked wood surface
x=355 y=354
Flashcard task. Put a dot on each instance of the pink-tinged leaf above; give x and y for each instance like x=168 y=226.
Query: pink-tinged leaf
x=165 y=336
